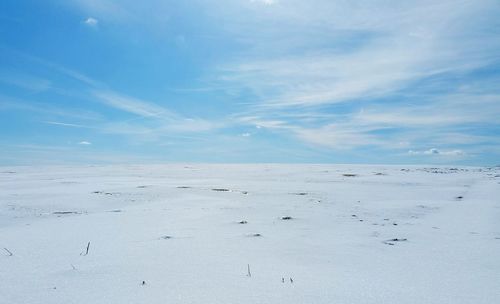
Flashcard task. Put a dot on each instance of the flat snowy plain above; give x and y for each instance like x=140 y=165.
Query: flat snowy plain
x=189 y=233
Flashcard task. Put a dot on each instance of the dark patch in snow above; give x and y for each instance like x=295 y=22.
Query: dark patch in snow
x=183 y=187
x=220 y=189
x=349 y=175
x=243 y=222
x=65 y=212
x=398 y=240
x=286 y=218
x=254 y=235
x=106 y=193
x=9 y=253
x=166 y=237
x=392 y=241
x=300 y=193
x=442 y=170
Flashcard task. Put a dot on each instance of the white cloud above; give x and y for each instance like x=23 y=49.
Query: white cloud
x=85 y=143
x=434 y=151
x=92 y=22
x=246 y=134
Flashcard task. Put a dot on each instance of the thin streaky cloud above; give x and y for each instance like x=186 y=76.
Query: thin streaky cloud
x=9 y=104
x=65 y=124
x=132 y=105
x=27 y=82
x=81 y=77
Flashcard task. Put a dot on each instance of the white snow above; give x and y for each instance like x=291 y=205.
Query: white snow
x=166 y=226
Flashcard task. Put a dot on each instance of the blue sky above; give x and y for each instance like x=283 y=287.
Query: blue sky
x=122 y=81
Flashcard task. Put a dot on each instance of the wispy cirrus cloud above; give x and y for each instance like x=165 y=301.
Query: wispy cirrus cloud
x=396 y=47
x=160 y=119
x=152 y=121
x=131 y=105
x=445 y=121
x=392 y=76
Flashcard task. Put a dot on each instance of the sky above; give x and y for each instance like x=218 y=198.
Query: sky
x=250 y=81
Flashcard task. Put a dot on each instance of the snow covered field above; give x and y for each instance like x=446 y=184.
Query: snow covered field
x=189 y=233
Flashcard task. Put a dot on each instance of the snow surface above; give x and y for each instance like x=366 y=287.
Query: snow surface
x=357 y=234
